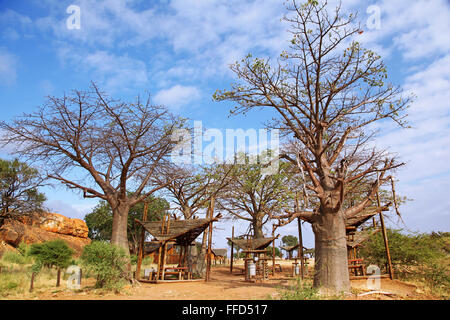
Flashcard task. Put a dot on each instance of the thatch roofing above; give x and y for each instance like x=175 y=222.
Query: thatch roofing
x=183 y=232
x=360 y=237
x=219 y=252
x=153 y=246
x=362 y=217
x=291 y=248
x=252 y=244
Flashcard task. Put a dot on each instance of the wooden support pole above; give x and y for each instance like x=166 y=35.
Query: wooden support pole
x=232 y=249
x=158 y=272
x=273 y=249
x=300 y=238
x=208 y=258
x=141 y=243
x=165 y=248
x=300 y=248
x=386 y=243
x=164 y=260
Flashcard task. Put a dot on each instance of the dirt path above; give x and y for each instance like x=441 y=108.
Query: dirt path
x=223 y=286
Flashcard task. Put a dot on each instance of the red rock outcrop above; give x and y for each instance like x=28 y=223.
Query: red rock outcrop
x=44 y=227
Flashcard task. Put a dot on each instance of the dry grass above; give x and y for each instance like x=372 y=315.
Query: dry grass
x=15 y=280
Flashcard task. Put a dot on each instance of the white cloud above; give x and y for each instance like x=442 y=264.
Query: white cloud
x=209 y=35
x=8 y=67
x=111 y=71
x=418 y=29
x=177 y=96
x=14 y=25
x=426 y=178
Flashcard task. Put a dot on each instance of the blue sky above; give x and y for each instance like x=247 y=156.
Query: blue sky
x=179 y=51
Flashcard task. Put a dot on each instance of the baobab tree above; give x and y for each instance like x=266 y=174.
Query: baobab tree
x=192 y=192
x=194 y=187
x=108 y=149
x=253 y=196
x=327 y=92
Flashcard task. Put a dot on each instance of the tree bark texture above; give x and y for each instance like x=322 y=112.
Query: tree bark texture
x=331 y=264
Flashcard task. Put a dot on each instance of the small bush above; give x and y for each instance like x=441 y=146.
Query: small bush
x=52 y=253
x=405 y=249
x=11 y=285
x=108 y=262
x=436 y=276
x=415 y=256
x=24 y=249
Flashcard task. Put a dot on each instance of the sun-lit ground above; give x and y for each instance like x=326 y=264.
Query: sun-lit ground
x=14 y=284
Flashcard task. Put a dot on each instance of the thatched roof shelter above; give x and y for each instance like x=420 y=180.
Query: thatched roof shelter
x=354 y=222
x=252 y=244
x=183 y=232
x=291 y=248
x=219 y=252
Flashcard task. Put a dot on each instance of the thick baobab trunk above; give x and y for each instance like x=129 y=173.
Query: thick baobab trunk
x=119 y=235
x=192 y=259
x=331 y=264
x=257 y=229
x=201 y=262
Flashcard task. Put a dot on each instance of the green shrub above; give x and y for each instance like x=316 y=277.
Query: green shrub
x=269 y=252
x=24 y=249
x=147 y=260
x=11 y=285
x=405 y=249
x=415 y=256
x=436 y=276
x=108 y=262
x=52 y=253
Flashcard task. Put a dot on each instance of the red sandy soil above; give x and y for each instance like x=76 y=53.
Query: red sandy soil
x=223 y=286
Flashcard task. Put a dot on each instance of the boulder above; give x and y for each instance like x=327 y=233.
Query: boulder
x=36 y=228
x=57 y=223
